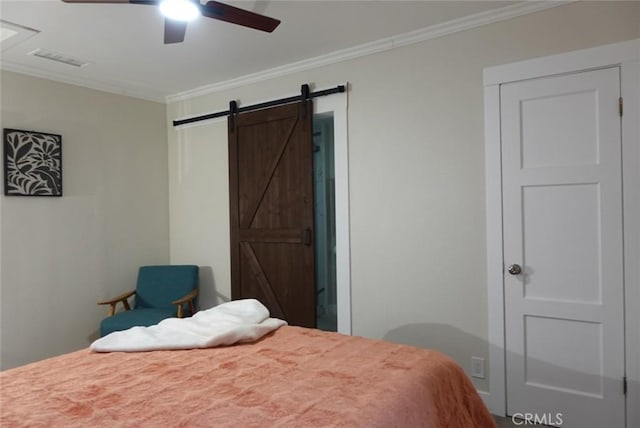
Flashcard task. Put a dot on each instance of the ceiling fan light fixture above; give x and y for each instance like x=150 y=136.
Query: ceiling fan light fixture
x=180 y=10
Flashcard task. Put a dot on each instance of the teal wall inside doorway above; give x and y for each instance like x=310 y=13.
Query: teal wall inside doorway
x=325 y=225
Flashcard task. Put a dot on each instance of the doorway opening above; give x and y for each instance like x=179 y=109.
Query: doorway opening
x=325 y=221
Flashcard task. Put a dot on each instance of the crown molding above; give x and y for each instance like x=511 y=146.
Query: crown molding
x=405 y=39
x=110 y=87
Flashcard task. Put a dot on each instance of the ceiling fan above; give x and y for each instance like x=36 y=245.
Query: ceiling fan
x=178 y=12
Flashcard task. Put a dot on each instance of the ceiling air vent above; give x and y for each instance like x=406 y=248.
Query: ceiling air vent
x=58 y=57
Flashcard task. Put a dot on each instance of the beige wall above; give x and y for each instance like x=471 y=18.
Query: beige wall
x=61 y=255
x=416 y=166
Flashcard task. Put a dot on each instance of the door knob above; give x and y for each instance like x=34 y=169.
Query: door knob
x=514 y=269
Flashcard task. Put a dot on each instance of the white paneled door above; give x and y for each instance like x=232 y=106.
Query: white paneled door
x=563 y=249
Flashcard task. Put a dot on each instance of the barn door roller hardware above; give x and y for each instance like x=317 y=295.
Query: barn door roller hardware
x=305 y=94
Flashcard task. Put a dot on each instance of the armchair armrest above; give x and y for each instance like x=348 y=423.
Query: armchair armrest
x=121 y=298
x=186 y=299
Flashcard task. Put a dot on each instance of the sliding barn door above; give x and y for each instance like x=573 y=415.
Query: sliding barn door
x=271 y=209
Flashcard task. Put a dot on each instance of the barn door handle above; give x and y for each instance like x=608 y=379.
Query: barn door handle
x=306 y=237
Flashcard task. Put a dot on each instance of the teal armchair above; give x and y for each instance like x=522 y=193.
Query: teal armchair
x=161 y=292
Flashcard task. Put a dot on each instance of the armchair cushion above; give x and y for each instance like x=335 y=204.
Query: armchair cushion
x=140 y=317
x=158 y=286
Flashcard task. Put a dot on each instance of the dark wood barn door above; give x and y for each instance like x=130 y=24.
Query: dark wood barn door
x=271 y=209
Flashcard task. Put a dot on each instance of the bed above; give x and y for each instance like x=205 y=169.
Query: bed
x=292 y=377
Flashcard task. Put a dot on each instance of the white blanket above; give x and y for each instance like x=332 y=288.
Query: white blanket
x=233 y=322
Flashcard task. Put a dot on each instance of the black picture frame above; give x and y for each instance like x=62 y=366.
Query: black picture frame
x=32 y=163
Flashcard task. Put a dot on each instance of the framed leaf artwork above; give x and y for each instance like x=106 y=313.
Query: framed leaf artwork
x=32 y=163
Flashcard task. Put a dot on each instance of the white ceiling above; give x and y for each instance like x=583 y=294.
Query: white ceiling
x=124 y=42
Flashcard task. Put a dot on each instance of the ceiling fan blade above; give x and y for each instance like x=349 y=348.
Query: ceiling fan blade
x=174 y=31
x=234 y=15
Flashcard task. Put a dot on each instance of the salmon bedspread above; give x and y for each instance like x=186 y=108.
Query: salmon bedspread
x=293 y=377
